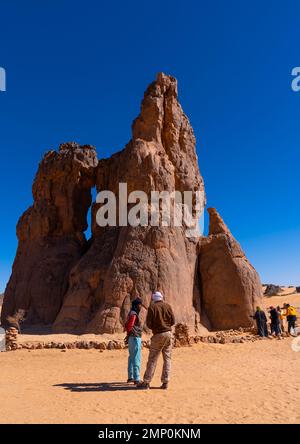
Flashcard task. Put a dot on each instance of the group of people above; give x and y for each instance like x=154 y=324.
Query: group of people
x=277 y=316
x=160 y=319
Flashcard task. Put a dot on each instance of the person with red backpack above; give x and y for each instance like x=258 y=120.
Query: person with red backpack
x=134 y=339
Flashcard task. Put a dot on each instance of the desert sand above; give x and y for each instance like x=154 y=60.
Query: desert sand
x=288 y=294
x=211 y=383
x=255 y=382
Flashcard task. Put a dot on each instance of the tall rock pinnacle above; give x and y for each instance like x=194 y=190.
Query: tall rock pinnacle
x=124 y=261
x=79 y=286
x=216 y=223
x=231 y=287
x=51 y=233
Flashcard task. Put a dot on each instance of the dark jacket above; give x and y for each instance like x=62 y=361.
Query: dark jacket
x=260 y=316
x=160 y=317
x=274 y=315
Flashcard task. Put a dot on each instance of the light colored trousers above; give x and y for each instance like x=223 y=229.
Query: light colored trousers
x=160 y=343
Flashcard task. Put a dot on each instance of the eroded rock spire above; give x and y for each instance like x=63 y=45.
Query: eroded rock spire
x=51 y=233
x=87 y=287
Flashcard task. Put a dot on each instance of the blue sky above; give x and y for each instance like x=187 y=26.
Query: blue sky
x=78 y=70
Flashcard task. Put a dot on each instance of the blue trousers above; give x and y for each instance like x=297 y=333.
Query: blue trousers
x=134 y=358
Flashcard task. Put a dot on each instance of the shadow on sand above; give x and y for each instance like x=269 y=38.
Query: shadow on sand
x=98 y=387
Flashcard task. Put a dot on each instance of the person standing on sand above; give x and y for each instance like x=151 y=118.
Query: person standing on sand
x=291 y=317
x=160 y=319
x=275 y=322
x=261 y=322
x=280 y=314
x=134 y=339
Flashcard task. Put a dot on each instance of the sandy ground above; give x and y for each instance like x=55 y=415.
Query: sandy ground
x=65 y=337
x=287 y=295
x=211 y=383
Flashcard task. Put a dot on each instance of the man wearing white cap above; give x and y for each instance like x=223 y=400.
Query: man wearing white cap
x=160 y=318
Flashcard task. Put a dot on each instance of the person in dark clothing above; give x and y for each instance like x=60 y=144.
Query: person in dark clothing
x=275 y=321
x=134 y=339
x=261 y=322
x=160 y=319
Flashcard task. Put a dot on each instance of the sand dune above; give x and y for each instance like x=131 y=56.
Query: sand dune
x=288 y=295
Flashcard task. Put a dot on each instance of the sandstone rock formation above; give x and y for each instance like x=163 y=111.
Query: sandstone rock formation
x=51 y=233
x=272 y=290
x=125 y=261
x=11 y=339
x=81 y=286
x=230 y=286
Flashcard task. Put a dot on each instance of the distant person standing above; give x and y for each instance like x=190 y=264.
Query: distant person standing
x=261 y=322
x=281 y=323
x=275 y=322
x=291 y=317
x=134 y=338
x=160 y=319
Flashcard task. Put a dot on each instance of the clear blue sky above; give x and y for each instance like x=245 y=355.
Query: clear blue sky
x=78 y=70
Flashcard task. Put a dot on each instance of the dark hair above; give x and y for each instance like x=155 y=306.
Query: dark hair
x=135 y=304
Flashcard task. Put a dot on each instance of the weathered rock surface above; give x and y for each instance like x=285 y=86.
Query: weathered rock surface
x=51 y=233
x=231 y=287
x=81 y=286
x=11 y=339
x=181 y=335
x=125 y=261
x=272 y=290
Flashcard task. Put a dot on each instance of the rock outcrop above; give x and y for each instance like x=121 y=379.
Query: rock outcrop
x=272 y=290
x=230 y=286
x=125 y=261
x=51 y=233
x=80 y=286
